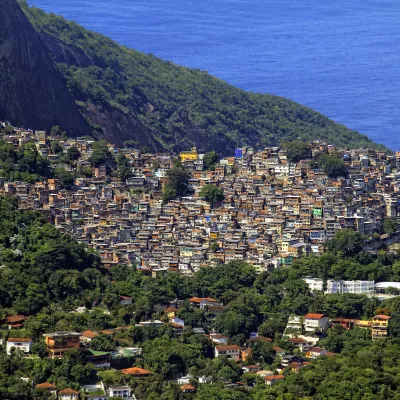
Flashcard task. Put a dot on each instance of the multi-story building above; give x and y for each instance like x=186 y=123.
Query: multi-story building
x=380 y=326
x=331 y=286
x=230 y=351
x=316 y=322
x=58 y=343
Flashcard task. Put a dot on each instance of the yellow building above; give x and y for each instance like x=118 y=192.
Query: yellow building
x=379 y=326
x=189 y=155
x=363 y=323
x=213 y=235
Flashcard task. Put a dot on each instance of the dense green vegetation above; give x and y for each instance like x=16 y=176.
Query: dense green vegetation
x=23 y=165
x=213 y=194
x=332 y=166
x=100 y=153
x=177 y=183
x=210 y=159
x=41 y=266
x=297 y=150
x=178 y=105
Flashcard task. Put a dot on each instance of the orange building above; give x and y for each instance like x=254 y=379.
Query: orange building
x=380 y=326
x=59 y=342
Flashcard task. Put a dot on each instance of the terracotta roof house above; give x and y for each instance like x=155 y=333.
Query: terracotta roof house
x=137 y=372
x=87 y=336
x=14 y=321
x=125 y=300
x=188 y=389
x=45 y=386
x=273 y=379
x=22 y=344
x=68 y=394
x=313 y=322
x=230 y=351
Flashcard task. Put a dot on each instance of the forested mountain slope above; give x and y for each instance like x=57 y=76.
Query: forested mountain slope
x=126 y=95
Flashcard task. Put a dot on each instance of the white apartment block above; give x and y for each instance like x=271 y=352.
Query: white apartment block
x=341 y=287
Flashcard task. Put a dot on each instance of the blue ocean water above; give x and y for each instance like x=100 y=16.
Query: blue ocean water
x=339 y=57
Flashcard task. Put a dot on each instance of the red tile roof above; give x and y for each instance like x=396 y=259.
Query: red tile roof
x=23 y=339
x=200 y=299
x=89 y=334
x=15 y=318
x=228 y=347
x=314 y=316
x=261 y=338
x=45 y=385
x=136 y=371
x=296 y=340
x=385 y=317
x=68 y=391
x=274 y=377
x=188 y=387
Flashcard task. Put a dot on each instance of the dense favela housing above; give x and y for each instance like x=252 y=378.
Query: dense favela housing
x=273 y=210
x=242 y=272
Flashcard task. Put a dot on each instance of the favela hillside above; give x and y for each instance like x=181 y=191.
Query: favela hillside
x=270 y=273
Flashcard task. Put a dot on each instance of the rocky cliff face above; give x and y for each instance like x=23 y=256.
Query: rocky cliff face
x=34 y=93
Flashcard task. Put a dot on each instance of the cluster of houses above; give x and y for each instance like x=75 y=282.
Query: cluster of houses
x=302 y=335
x=314 y=325
x=274 y=211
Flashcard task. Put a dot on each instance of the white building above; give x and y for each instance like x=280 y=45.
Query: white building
x=218 y=338
x=313 y=322
x=295 y=322
x=68 y=394
x=124 y=392
x=230 y=351
x=355 y=287
x=387 y=289
x=95 y=392
x=22 y=344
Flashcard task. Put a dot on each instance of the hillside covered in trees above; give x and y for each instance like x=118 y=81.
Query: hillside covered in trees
x=128 y=96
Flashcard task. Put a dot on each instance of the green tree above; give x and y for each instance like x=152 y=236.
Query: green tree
x=346 y=242
x=66 y=178
x=390 y=225
x=333 y=166
x=263 y=351
x=296 y=150
x=394 y=322
x=210 y=159
x=124 y=168
x=177 y=183
x=73 y=153
x=103 y=342
x=57 y=131
x=212 y=194
x=56 y=148
x=100 y=153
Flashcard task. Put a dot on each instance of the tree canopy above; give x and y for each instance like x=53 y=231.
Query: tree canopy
x=177 y=183
x=297 y=150
x=100 y=153
x=333 y=166
x=213 y=194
